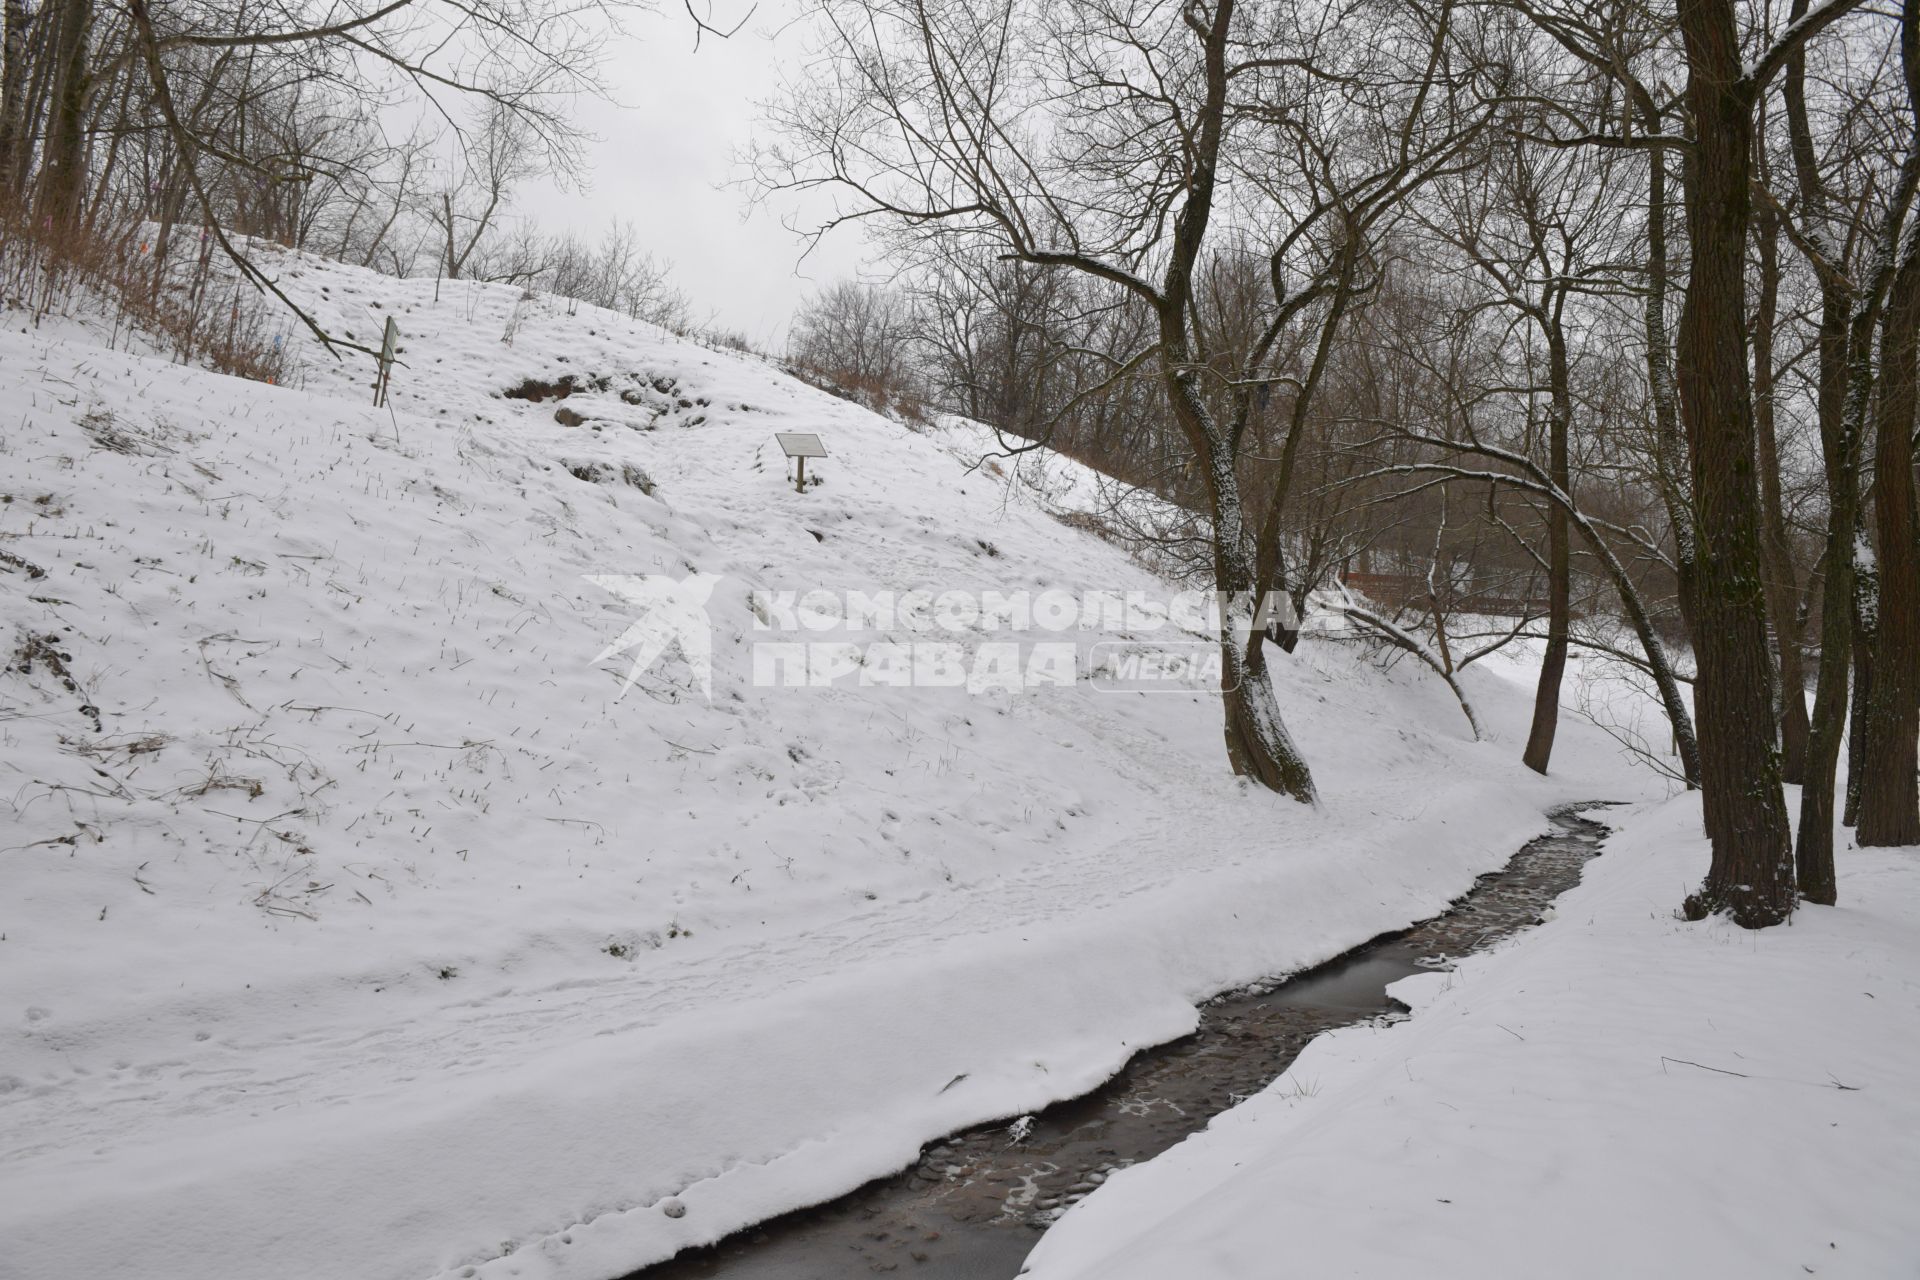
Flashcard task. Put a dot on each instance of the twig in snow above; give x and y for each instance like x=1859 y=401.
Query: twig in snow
x=1703 y=1066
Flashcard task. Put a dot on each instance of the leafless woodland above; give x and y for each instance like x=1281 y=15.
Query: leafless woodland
x=1588 y=322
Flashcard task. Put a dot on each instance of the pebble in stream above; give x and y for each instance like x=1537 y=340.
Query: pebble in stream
x=973 y=1205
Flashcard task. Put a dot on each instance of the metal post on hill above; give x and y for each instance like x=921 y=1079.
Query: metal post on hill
x=389 y=342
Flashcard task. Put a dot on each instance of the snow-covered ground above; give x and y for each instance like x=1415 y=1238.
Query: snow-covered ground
x=1614 y=1094
x=353 y=925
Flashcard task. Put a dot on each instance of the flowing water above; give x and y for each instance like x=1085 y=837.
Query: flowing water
x=974 y=1204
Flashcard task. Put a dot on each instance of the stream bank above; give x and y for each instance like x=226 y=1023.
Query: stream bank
x=973 y=1205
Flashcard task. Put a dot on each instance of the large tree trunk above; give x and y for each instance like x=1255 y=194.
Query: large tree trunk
x=1751 y=874
x=1258 y=744
x=15 y=20
x=1553 y=663
x=64 y=173
x=1889 y=803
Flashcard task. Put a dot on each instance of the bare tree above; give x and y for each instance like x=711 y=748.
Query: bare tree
x=1448 y=570
x=1540 y=226
x=258 y=119
x=1519 y=472
x=1751 y=877
x=1094 y=136
x=1853 y=262
x=505 y=153
x=857 y=335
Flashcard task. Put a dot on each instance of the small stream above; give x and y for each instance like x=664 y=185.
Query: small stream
x=974 y=1204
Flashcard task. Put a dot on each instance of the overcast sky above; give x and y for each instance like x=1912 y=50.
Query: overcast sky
x=665 y=157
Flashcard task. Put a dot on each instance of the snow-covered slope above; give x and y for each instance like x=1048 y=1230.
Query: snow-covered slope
x=352 y=924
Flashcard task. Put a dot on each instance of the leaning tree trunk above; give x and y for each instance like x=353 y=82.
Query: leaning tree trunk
x=1440 y=664
x=1751 y=874
x=1889 y=801
x=1258 y=744
x=1553 y=662
x=1659 y=665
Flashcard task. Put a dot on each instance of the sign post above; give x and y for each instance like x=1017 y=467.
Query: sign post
x=389 y=341
x=800 y=445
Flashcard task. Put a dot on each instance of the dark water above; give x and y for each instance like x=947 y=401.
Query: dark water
x=974 y=1205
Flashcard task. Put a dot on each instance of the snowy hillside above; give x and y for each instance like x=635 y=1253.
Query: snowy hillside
x=335 y=868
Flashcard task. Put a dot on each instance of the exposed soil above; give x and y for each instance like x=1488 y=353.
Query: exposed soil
x=973 y=1205
x=537 y=391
